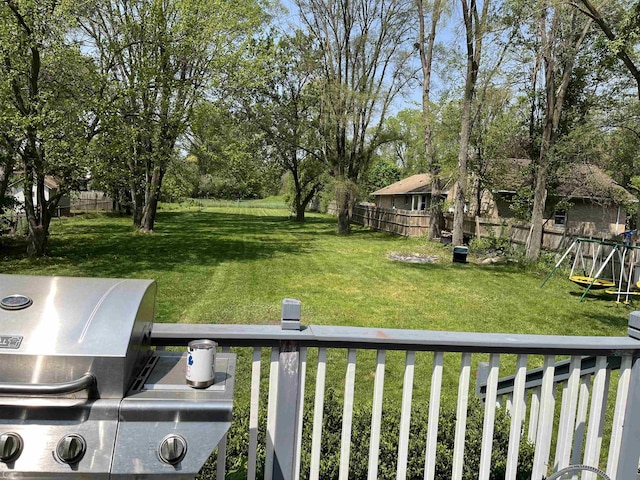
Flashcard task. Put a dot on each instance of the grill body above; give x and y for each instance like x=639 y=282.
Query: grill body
x=82 y=393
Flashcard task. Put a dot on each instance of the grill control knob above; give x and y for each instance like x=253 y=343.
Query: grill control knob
x=10 y=447
x=71 y=449
x=172 y=449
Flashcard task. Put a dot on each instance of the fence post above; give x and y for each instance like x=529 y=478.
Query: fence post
x=288 y=397
x=629 y=451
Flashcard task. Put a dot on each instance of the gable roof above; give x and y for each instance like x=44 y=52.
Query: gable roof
x=577 y=180
x=49 y=182
x=415 y=184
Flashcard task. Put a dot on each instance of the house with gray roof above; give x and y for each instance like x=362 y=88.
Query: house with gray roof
x=412 y=193
x=587 y=201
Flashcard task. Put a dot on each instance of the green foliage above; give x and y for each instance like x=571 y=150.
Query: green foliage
x=238 y=440
x=402 y=141
x=48 y=89
x=282 y=103
x=366 y=62
x=500 y=240
x=181 y=180
x=160 y=58
x=381 y=174
x=231 y=155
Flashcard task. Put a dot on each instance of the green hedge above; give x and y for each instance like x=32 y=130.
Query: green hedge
x=238 y=439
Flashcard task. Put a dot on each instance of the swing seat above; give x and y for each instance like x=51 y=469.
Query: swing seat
x=635 y=291
x=598 y=283
x=622 y=294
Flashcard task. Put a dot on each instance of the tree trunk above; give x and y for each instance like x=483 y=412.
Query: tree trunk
x=343 y=204
x=555 y=95
x=534 y=241
x=37 y=240
x=300 y=206
x=151 y=203
x=38 y=218
x=474 y=27
x=137 y=203
x=426 y=60
x=344 y=220
x=37 y=212
x=298 y=202
x=461 y=182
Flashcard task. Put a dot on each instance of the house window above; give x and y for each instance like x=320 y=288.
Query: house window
x=393 y=202
x=423 y=202
x=407 y=199
x=560 y=218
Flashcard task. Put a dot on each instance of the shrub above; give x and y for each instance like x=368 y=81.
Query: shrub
x=238 y=439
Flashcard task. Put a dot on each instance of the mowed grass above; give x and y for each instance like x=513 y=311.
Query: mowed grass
x=234 y=263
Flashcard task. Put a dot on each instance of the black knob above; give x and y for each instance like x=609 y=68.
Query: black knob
x=10 y=447
x=172 y=449
x=71 y=449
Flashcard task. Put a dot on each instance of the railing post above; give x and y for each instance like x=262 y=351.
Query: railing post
x=629 y=451
x=288 y=397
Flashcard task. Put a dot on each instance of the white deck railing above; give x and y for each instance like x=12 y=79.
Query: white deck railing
x=580 y=424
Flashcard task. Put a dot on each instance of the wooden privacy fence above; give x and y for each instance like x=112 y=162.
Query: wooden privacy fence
x=553 y=238
x=92 y=201
x=416 y=223
x=402 y=222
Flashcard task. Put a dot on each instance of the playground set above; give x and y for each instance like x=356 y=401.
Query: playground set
x=604 y=265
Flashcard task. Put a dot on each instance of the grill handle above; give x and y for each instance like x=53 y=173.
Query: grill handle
x=83 y=383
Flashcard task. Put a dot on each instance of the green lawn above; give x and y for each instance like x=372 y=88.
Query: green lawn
x=234 y=264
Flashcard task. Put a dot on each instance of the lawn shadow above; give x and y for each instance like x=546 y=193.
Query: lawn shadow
x=610 y=319
x=592 y=295
x=181 y=239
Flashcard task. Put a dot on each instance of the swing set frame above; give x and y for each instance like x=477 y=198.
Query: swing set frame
x=622 y=260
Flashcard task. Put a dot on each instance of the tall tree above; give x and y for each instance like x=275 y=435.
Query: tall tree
x=49 y=87
x=426 y=44
x=475 y=23
x=619 y=22
x=561 y=35
x=283 y=104
x=364 y=61
x=497 y=134
x=160 y=55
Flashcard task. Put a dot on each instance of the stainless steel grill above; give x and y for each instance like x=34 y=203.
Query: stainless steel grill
x=83 y=394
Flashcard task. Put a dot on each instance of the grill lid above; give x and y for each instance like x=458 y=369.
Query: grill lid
x=57 y=329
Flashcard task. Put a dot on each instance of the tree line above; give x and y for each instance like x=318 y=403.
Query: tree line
x=151 y=99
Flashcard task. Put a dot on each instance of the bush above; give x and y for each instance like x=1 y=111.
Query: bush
x=492 y=242
x=238 y=440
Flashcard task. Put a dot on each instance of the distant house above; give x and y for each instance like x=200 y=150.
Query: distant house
x=593 y=204
x=50 y=188
x=412 y=193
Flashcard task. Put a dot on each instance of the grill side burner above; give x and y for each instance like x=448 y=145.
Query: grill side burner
x=82 y=394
